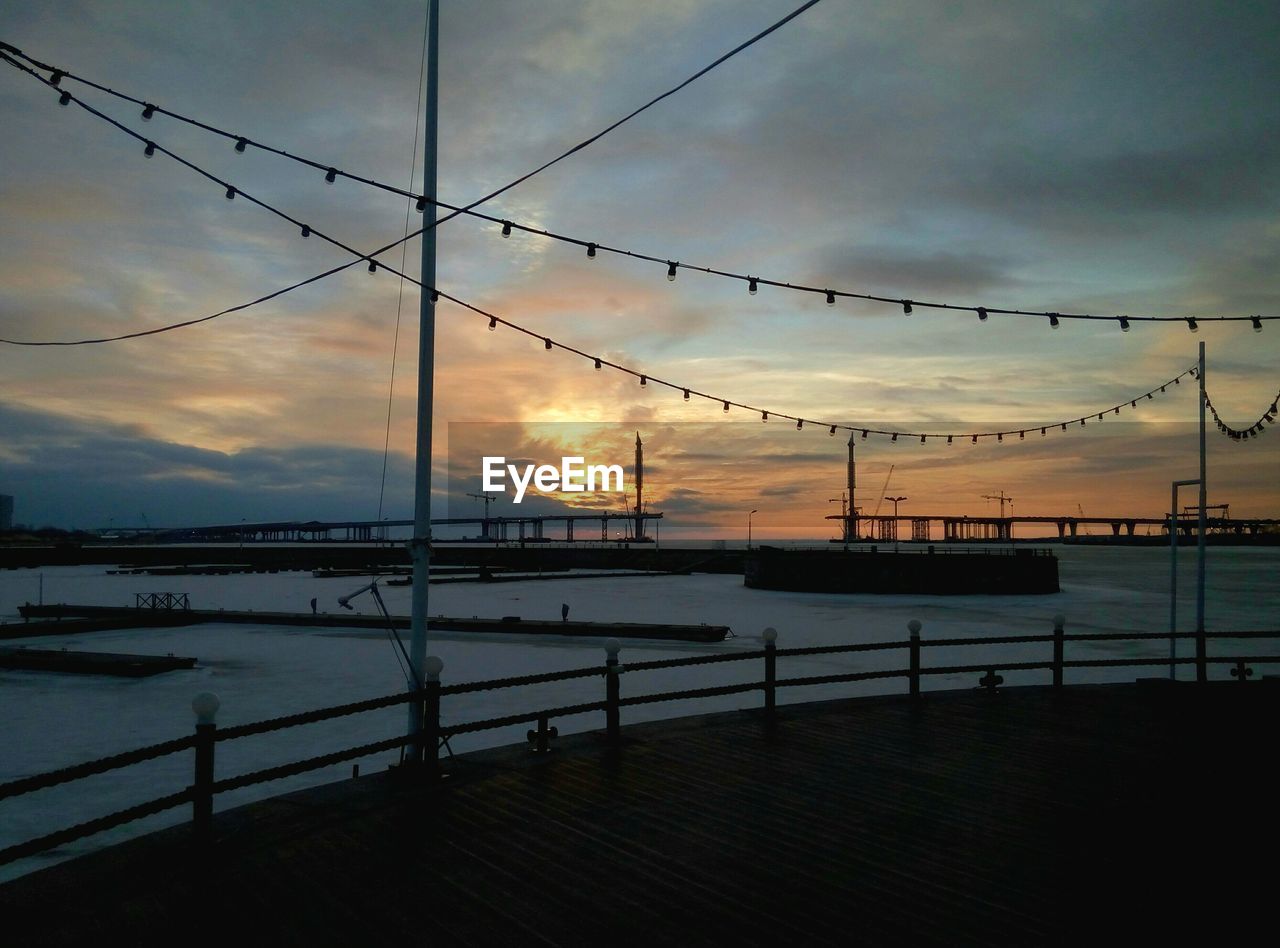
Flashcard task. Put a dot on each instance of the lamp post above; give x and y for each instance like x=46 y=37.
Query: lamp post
x=749 y=516
x=895 y=520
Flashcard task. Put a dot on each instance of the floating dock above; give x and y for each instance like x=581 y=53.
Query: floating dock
x=91 y=663
x=1013 y=571
x=64 y=619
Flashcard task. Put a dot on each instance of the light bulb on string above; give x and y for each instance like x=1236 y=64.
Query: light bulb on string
x=1053 y=320
x=148 y=110
x=64 y=99
x=949 y=437
x=671 y=270
x=241 y=144
x=506 y=228
x=598 y=364
x=982 y=314
x=764 y=416
x=373 y=265
x=864 y=434
x=832 y=432
x=726 y=406
x=1192 y=324
x=421 y=204
x=546 y=344
x=493 y=327
x=231 y=193
x=894 y=438
x=906 y=307
x=591 y=251
x=1124 y=324
x=331 y=175
x=150 y=150
x=306 y=231
x=799 y=424
x=1257 y=324
x=922 y=439
x=56 y=77
x=752 y=285
x=644 y=380
x=831 y=298
x=686 y=394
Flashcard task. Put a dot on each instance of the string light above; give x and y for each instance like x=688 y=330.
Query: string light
x=726 y=406
x=832 y=432
x=686 y=394
x=547 y=344
x=799 y=424
x=831 y=298
x=591 y=251
x=506 y=228
x=895 y=436
x=373 y=265
x=420 y=205
x=56 y=77
x=753 y=282
x=644 y=380
x=671 y=270
x=241 y=144
x=1053 y=320
x=493 y=327
x=64 y=99
x=150 y=150
x=764 y=416
x=1252 y=431
x=753 y=285
x=1124 y=324
x=435 y=295
x=1192 y=324
x=306 y=231
x=231 y=193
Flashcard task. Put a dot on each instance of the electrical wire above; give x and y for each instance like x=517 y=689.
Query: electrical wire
x=548 y=343
x=243 y=142
x=908 y=304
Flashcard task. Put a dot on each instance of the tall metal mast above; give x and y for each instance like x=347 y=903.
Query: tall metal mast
x=420 y=545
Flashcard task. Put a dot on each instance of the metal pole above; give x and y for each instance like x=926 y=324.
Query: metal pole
x=419 y=546
x=1173 y=574
x=1201 y=670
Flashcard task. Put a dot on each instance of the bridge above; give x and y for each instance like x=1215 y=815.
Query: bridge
x=964 y=529
x=532 y=529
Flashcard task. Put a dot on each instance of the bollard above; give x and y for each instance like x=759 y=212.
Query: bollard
x=913 y=676
x=1059 y=621
x=770 y=636
x=427 y=747
x=205 y=705
x=612 y=725
x=541 y=738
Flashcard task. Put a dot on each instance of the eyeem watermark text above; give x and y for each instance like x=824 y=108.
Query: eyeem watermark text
x=573 y=474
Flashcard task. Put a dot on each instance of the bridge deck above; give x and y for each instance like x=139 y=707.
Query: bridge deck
x=1022 y=817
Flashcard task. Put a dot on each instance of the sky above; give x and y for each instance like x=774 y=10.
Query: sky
x=1101 y=157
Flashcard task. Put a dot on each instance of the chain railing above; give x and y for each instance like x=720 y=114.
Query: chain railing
x=423 y=746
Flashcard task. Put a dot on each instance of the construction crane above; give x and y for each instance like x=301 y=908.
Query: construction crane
x=486 y=498
x=1003 y=500
x=882 y=490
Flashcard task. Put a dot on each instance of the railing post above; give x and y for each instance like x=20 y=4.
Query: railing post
x=913 y=677
x=612 y=724
x=770 y=636
x=1059 y=622
x=428 y=750
x=205 y=705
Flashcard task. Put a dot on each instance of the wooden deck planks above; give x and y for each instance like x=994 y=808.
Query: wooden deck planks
x=1023 y=817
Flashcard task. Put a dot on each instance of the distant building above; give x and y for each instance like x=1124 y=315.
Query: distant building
x=6 y=512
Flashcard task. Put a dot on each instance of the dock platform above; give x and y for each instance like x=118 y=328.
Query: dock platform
x=66 y=619
x=91 y=663
x=1090 y=815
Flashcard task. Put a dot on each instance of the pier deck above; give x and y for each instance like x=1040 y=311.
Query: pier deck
x=1021 y=817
